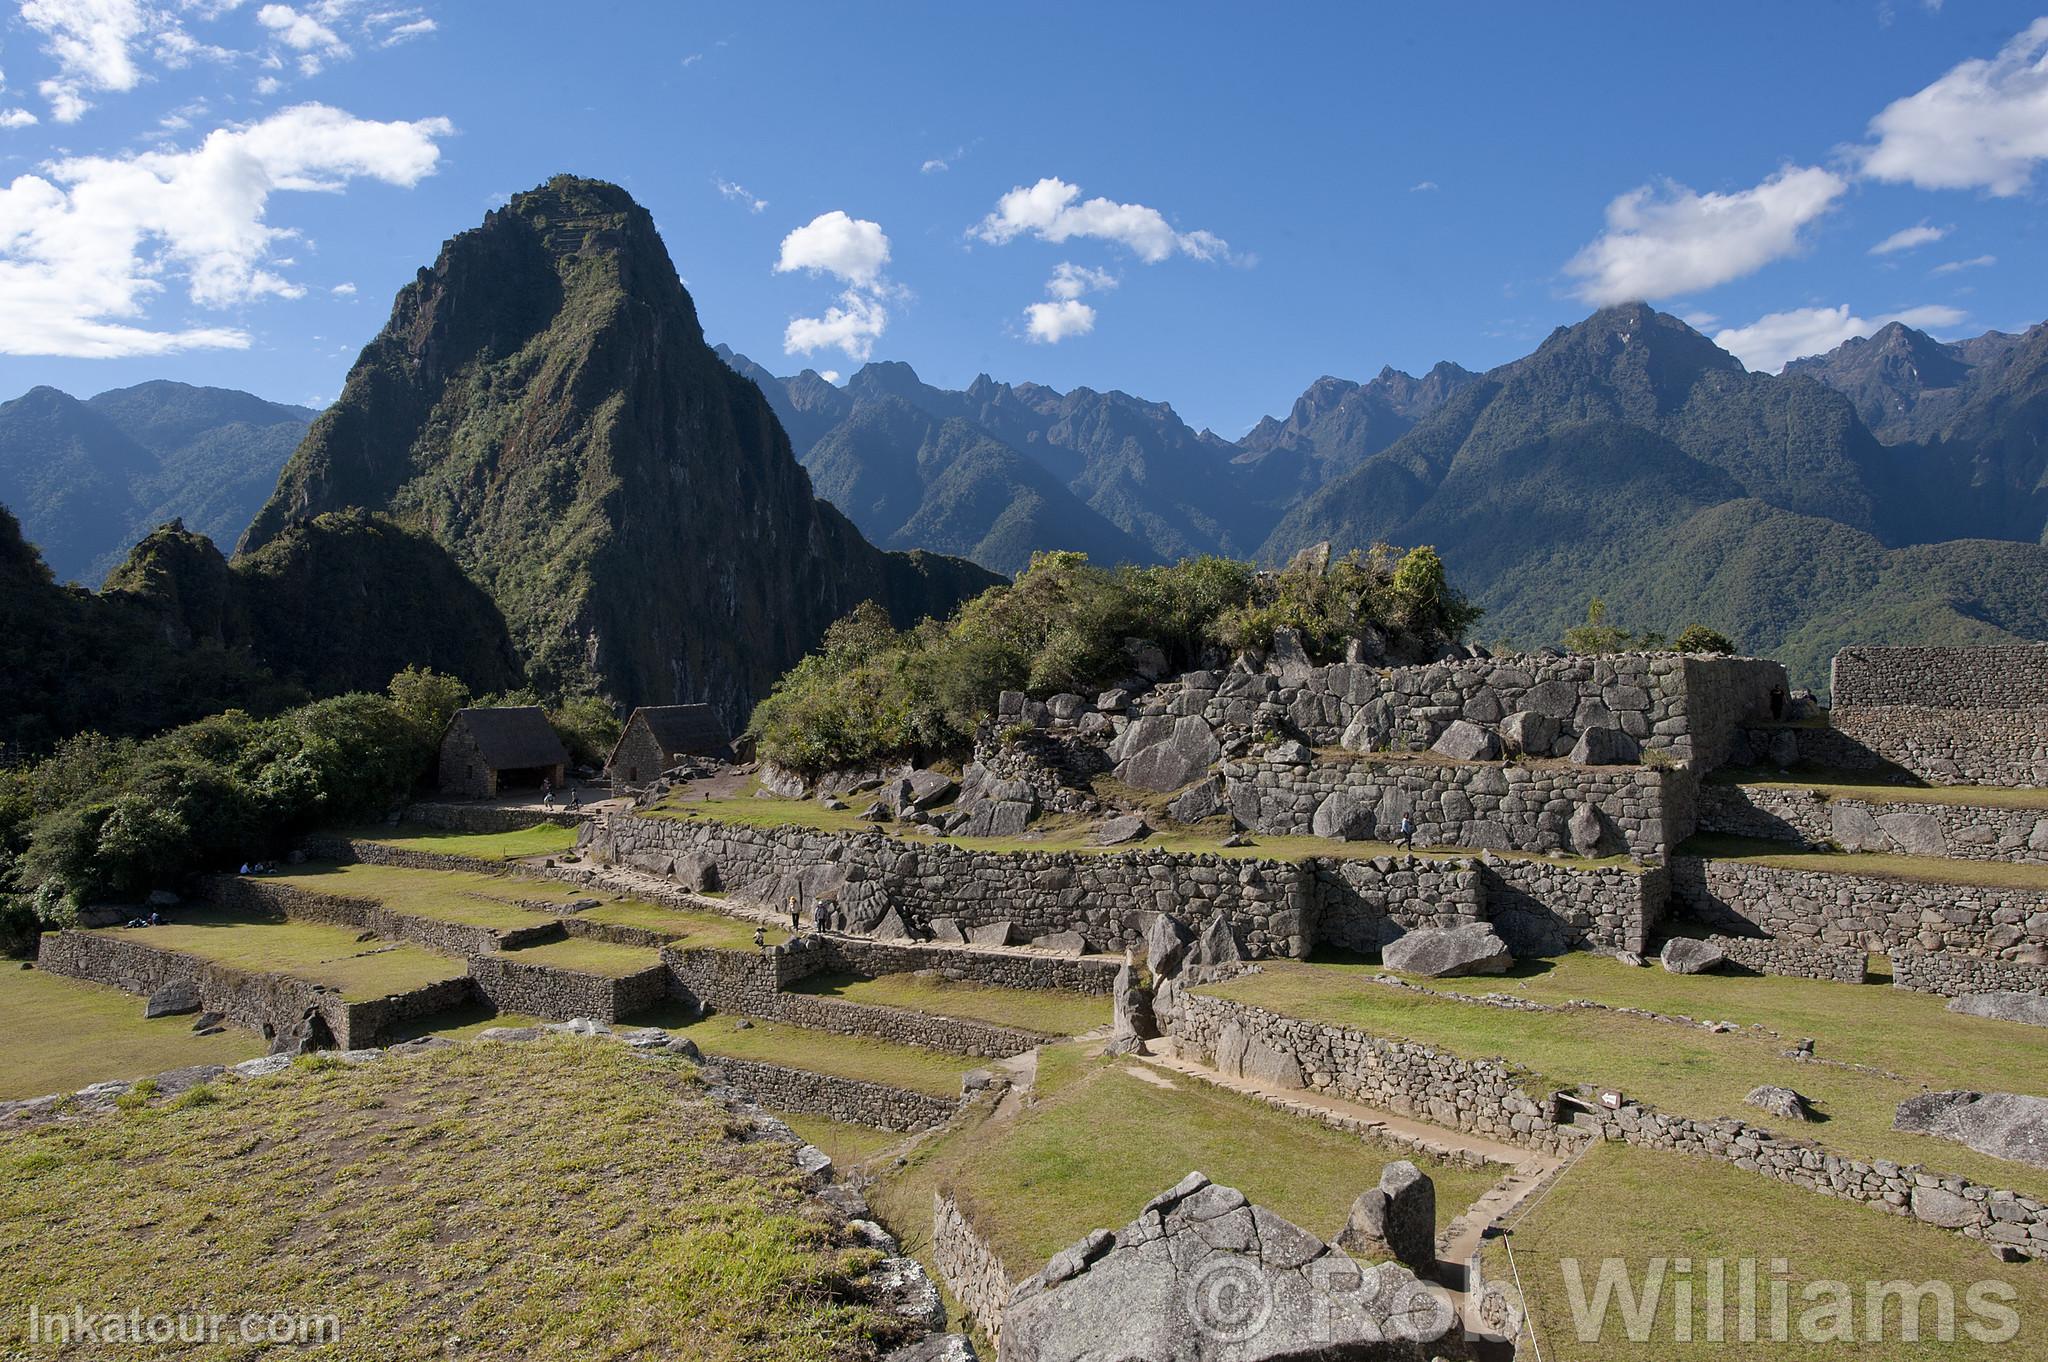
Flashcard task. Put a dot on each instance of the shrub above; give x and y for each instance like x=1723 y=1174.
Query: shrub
x=1698 y=638
x=588 y=727
x=1596 y=635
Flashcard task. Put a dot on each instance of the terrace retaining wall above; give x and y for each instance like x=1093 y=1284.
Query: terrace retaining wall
x=1482 y=805
x=1811 y=818
x=436 y=934
x=1090 y=974
x=1952 y=975
x=513 y=985
x=1541 y=907
x=852 y=1100
x=1849 y=910
x=1794 y=958
x=2014 y=677
x=972 y=1269
x=485 y=817
x=270 y=1003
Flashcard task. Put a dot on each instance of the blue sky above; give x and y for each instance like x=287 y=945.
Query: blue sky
x=1223 y=201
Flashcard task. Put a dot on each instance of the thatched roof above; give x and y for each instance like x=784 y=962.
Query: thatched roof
x=513 y=737
x=682 y=728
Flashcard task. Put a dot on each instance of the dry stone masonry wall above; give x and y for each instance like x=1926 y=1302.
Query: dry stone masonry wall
x=513 y=985
x=1951 y=975
x=851 y=1100
x=1950 y=715
x=972 y=1270
x=1810 y=818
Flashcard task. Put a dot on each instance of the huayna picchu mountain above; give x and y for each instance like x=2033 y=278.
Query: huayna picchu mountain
x=542 y=404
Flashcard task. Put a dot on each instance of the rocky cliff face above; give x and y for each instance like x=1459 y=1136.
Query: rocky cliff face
x=542 y=404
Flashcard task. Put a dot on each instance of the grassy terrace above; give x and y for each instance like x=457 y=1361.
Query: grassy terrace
x=1047 y=1011
x=1693 y=1072
x=877 y=1061
x=586 y=956
x=558 y=1199
x=1852 y=785
x=65 y=1033
x=1068 y=833
x=1636 y=1204
x=494 y=901
x=1879 y=864
x=542 y=839
x=1098 y=1141
x=314 y=951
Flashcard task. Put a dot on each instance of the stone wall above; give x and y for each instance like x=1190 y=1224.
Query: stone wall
x=1541 y=907
x=1481 y=1096
x=2014 y=677
x=970 y=1266
x=436 y=934
x=483 y=817
x=1812 y=819
x=1090 y=974
x=1794 y=958
x=1361 y=905
x=513 y=985
x=1950 y=746
x=1849 y=910
x=1687 y=706
x=254 y=999
x=1108 y=898
x=852 y=1100
x=1950 y=975
x=1521 y=806
x=758 y=985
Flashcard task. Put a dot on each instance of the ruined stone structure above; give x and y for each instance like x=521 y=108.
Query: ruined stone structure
x=486 y=750
x=1952 y=716
x=658 y=737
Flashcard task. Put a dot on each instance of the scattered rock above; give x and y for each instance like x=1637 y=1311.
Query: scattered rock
x=1467 y=741
x=1780 y=1102
x=172 y=1000
x=1163 y=753
x=1216 y=947
x=990 y=934
x=1587 y=830
x=696 y=871
x=1631 y=959
x=948 y=930
x=1343 y=818
x=1439 y=953
x=2029 y=1008
x=1606 y=747
x=2004 y=1125
x=1683 y=955
x=1202 y=800
x=208 y=1021
x=1396 y=1219
x=1237 y=839
x=1529 y=733
x=936 y=1348
x=1068 y=942
x=1124 y=828
x=1066 y=707
x=1166 y=945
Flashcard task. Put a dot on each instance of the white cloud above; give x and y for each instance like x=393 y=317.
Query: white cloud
x=852 y=248
x=1982 y=125
x=1051 y=323
x=89 y=40
x=1700 y=321
x=853 y=325
x=16 y=118
x=1071 y=281
x=829 y=375
x=86 y=245
x=1767 y=343
x=269 y=85
x=405 y=30
x=1423 y=187
x=739 y=193
x=1973 y=263
x=934 y=166
x=343 y=290
x=1053 y=210
x=1906 y=238
x=299 y=31
x=693 y=59
x=1669 y=239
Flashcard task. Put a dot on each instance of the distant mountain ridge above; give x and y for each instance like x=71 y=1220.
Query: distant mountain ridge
x=87 y=479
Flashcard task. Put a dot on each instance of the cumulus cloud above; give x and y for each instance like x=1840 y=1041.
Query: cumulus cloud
x=86 y=245
x=1906 y=238
x=1982 y=125
x=1053 y=210
x=852 y=248
x=1424 y=187
x=1975 y=262
x=16 y=118
x=343 y=290
x=1769 y=342
x=934 y=166
x=1071 y=281
x=1050 y=323
x=90 y=40
x=1668 y=239
x=739 y=193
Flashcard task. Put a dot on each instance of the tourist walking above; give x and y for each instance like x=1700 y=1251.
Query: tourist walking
x=796 y=920
x=1406 y=837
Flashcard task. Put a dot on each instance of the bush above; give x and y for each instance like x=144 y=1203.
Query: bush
x=1596 y=635
x=874 y=694
x=1698 y=638
x=588 y=727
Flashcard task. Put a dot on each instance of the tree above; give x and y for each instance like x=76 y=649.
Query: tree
x=1596 y=635
x=428 y=700
x=1698 y=638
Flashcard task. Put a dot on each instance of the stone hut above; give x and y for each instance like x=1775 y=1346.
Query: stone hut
x=656 y=737
x=488 y=750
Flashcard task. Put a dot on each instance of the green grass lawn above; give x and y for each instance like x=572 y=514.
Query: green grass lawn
x=542 y=839
x=1047 y=1011
x=588 y=957
x=1683 y=1070
x=65 y=1033
x=692 y=927
x=1880 y=864
x=1632 y=1205
x=559 y=1199
x=848 y=1144
x=1065 y=833
x=877 y=1061
x=1097 y=1142
x=1847 y=785
x=317 y=951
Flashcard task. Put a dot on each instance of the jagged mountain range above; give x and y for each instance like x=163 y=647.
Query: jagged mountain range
x=87 y=479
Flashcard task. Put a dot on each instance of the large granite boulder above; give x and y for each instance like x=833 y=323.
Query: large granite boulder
x=1442 y=952
x=696 y=871
x=1606 y=747
x=1130 y=1021
x=1529 y=733
x=994 y=818
x=1125 y=827
x=1239 y=1054
x=1916 y=834
x=2029 y=1008
x=1166 y=945
x=1202 y=800
x=1396 y=1219
x=1202 y=1275
x=1683 y=955
x=1854 y=826
x=1343 y=817
x=175 y=999
x=1216 y=947
x=1780 y=1102
x=1467 y=741
x=1160 y=752
x=1372 y=728
x=2005 y=1125
x=1588 y=832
